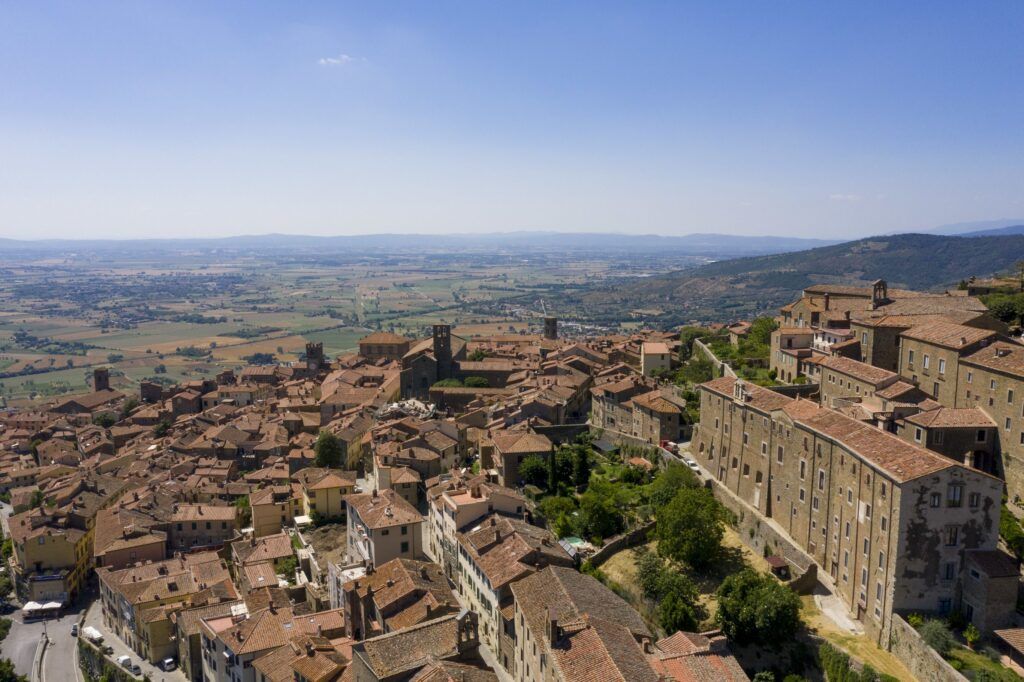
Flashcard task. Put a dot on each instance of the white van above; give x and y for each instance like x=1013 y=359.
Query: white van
x=167 y=665
x=124 y=661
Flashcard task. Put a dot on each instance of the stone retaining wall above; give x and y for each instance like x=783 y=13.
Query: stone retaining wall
x=757 y=533
x=723 y=369
x=922 y=660
x=618 y=543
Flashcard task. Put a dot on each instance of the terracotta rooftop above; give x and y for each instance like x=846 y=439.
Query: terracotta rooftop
x=949 y=417
x=947 y=334
x=513 y=442
x=1001 y=356
x=860 y=371
x=383 y=508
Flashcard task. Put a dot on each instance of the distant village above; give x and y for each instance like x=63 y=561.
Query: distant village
x=381 y=515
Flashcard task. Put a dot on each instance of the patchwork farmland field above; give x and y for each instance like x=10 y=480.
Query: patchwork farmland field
x=183 y=315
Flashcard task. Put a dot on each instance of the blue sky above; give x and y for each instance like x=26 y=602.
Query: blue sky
x=149 y=119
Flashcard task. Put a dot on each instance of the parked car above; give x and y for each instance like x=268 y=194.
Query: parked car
x=74 y=629
x=167 y=665
x=124 y=661
x=134 y=669
x=692 y=464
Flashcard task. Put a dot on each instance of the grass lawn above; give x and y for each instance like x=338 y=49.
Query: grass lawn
x=972 y=662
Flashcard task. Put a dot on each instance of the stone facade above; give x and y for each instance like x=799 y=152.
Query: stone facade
x=886 y=522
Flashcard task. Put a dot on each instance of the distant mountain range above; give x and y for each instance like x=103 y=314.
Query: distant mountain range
x=742 y=287
x=975 y=228
x=706 y=245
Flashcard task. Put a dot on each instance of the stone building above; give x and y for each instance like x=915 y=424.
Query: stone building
x=930 y=356
x=888 y=523
x=382 y=526
x=430 y=361
x=383 y=345
x=654 y=357
x=991 y=379
x=840 y=378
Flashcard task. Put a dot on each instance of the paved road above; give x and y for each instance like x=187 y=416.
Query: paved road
x=94 y=618
x=20 y=646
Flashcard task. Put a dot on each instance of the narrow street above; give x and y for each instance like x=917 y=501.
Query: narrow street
x=24 y=638
x=94 y=618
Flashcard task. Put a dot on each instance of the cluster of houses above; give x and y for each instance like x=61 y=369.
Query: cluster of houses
x=213 y=536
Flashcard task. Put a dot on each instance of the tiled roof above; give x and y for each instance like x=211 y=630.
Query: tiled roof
x=451 y=671
x=515 y=442
x=947 y=334
x=594 y=650
x=896 y=390
x=995 y=563
x=417 y=588
x=1001 y=356
x=901 y=460
x=861 y=371
x=383 y=508
x=949 y=417
x=568 y=594
x=760 y=397
x=266 y=548
x=656 y=402
x=408 y=649
x=384 y=338
x=261 y=631
x=319 y=478
x=506 y=549
x=1014 y=638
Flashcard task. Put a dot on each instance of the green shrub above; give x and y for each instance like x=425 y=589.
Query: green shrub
x=1011 y=532
x=937 y=635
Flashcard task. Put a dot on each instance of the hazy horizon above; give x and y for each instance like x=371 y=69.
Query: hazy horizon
x=170 y=120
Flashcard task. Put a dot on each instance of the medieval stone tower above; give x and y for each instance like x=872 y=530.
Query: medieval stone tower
x=101 y=379
x=551 y=328
x=315 y=356
x=443 y=350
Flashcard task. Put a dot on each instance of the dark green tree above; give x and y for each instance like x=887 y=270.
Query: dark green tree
x=580 y=465
x=690 y=528
x=104 y=419
x=676 y=613
x=161 y=429
x=757 y=608
x=533 y=470
x=7 y=673
x=328 y=450
x=668 y=482
x=761 y=330
x=600 y=512
x=244 y=510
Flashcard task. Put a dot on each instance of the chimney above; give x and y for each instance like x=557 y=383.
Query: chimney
x=826 y=300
